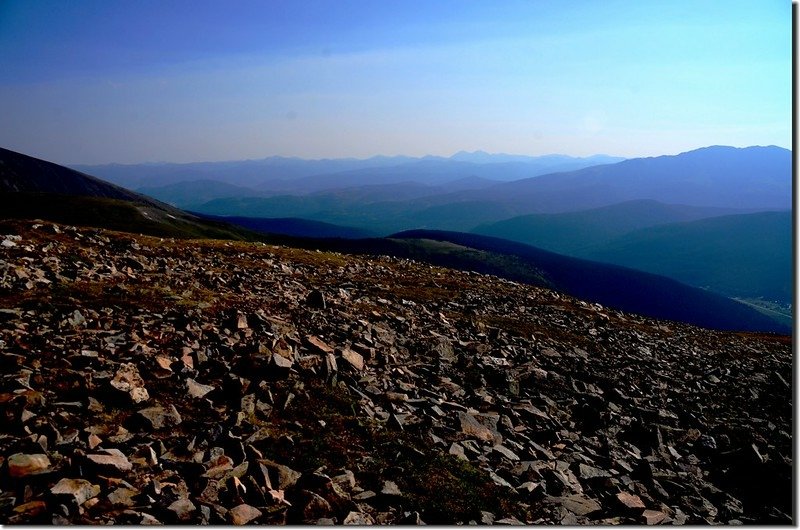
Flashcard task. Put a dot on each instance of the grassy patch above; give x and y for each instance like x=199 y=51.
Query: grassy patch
x=111 y=294
x=442 y=488
x=514 y=326
x=422 y=293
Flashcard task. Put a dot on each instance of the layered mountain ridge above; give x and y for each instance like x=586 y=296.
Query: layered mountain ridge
x=752 y=179
x=654 y=296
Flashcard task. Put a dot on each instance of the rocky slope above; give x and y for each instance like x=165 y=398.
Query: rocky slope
x=152 y=380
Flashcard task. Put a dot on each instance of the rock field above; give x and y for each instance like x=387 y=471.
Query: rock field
x=149 y=381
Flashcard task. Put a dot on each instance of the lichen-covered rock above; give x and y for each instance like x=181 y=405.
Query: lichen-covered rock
x=22 y=465
x=161 y=417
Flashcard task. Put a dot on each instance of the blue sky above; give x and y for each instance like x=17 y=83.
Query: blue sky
x=124 y=81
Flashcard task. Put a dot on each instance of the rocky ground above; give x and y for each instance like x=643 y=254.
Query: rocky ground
x=161 y=381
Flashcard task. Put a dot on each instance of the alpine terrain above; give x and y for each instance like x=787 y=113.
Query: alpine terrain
x=239 y=377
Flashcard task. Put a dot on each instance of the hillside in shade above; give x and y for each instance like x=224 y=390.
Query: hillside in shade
x=619 y=287
x=575 y=233
x=748 y=255
x=24 y=174
x=36 y=189
x=288 y=226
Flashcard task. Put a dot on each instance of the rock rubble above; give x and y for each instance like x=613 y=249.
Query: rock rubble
x=150 y=381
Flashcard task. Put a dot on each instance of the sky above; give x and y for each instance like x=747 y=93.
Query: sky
x=91 y=82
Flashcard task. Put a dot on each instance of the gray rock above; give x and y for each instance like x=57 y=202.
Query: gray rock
x=79 y=490
x=281 y=477
x=358 y=518
x=580 y=504
x=631 y=501
x=197 y=390
x=128 y=380
x=506 y=452
x=355 y=360
x=123 y=497
x=110 y=460
x=472 y=426
x=160 y=417
x=390 y=488
x=589 y=472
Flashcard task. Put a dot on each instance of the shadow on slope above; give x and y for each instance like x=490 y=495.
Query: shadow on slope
x=575 y=233
x=619 y=287
x=291 y=226
x=116 y=214
x=31 y=188
x=747 y=255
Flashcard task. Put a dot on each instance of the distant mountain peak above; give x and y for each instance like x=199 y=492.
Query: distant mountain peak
x=732 y=149
x=484 y=157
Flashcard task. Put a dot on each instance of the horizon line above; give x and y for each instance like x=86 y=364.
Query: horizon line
x=418 y=157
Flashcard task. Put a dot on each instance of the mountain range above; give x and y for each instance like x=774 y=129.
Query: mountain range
x=589 y=212
x=578 y=232
x=346 y=219
x=295 y=175
x=718 y=176
x=753 y=178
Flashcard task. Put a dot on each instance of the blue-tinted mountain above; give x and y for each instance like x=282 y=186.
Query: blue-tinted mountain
x=246 y=173
x=384 y=216
x=552 y=162
x=434 y=171
x=282 y=175
x=753 y=178
x=725 y=177
x=575 y=233
x=189 y=194
x=748 y=255
x=294 y=227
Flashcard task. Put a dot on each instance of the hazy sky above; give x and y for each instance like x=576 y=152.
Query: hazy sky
x=135 y=81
